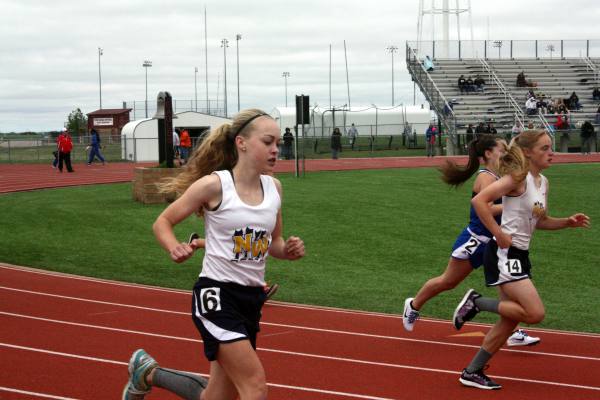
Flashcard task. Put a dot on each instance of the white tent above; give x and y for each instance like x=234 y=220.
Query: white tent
x=140 y=138
x=369 y=120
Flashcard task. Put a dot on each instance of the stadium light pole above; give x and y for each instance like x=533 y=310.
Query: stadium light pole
x=196 y=87
x=100 y=52
x=285 y=76
x=225 y=45
x=392 y=49
x=238 y=37
x=147 y=64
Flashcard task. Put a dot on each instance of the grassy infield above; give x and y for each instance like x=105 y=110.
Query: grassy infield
x=372 y=238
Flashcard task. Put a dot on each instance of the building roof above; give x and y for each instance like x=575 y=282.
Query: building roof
x=110 y=111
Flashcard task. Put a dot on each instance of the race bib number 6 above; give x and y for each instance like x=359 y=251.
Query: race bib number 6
x=513 y=266
x=210 y=299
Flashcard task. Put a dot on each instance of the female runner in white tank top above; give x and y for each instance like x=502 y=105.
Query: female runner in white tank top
x=524 y=192
x=228 y=181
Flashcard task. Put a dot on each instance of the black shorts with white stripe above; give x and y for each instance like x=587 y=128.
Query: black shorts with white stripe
x=505 y=265
x=226 y=312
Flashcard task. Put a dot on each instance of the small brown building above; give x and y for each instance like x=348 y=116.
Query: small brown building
x=108 y=121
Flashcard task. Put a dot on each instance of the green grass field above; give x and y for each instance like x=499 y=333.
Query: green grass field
x=372 y=239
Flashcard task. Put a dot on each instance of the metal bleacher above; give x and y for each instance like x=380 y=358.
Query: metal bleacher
x=502 y=101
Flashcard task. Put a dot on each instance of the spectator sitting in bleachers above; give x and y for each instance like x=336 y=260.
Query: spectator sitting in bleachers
x=559 y=106
x=490 y=128
x=542 y=104
x=574 y=103
x=530 y=126
x=428 y=64
x=598 y=115
x=469 y=85
x=550 y=109
x=531 y=106
x=523 y=82
x=462 y=83
x=596 y=94
x=479 y=83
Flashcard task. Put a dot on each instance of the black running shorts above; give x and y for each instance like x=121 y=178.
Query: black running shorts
x=226 y=312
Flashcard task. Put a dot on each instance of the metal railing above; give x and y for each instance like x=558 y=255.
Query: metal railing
x=507 y=49
x=508 y=98
x=432 y=93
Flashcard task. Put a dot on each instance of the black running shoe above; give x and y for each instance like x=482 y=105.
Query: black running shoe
x=478 y=380
x=466 y=309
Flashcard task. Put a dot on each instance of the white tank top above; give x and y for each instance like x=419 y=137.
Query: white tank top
x=520 y=214
x=238 y=235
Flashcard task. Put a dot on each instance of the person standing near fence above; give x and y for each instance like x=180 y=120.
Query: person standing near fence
x=176 y=143
x=336 y=143
x=95 y=147
x=228 y=182
x=65 y=146
x=185 y=145
x=352 y=135
x=288 y=144
x=430 y=140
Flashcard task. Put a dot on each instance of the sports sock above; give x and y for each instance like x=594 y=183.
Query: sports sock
x=487 y=304
x=187 y=386
x=413 y=307
x=479 y=361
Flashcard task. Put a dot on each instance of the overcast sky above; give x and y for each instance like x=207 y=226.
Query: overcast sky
x=49 y=50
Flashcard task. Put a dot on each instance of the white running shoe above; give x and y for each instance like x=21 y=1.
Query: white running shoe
x=410 y=315
x=521 y=338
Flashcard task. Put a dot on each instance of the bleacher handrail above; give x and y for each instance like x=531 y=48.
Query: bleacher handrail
x=591 y=66
x=444 y=111
x=519 y=116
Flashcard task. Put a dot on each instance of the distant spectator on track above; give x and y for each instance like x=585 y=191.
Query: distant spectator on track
x=95 y=148
x=65 y=146
x=430 y=134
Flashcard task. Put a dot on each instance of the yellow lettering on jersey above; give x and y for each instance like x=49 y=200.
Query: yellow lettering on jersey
x=243 y=242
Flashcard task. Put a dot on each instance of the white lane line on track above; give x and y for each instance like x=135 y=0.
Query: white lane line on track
x=308 y=328
x=274 y=303
x=102 y=360
x=399 y=366
x=36 y=394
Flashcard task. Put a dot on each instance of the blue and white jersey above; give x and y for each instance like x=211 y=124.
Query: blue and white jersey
x=475 y=225
x=238 y=235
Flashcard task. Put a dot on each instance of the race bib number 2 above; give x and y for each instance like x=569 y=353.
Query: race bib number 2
x=513 y=266
x=210 y=299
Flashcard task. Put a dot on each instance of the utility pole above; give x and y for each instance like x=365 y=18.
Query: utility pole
x=100 y=52
x=225 y=45
x=285 y=76
x=238 y=37
x=147 y=64
x=392 y=49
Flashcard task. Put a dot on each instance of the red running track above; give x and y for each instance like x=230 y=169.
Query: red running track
x=70 y=337
x=19 y=177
